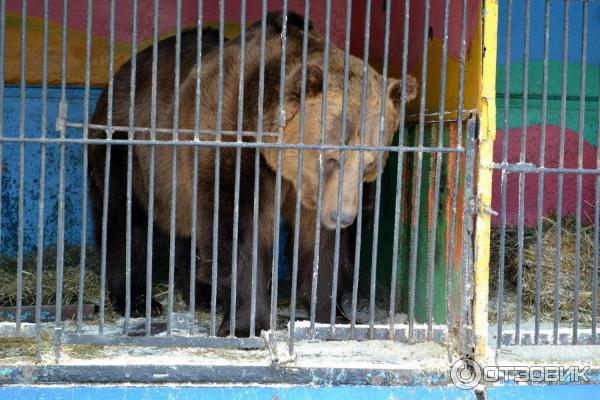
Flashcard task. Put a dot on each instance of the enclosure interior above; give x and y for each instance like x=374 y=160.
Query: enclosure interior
x=413 y=263
x=545 y=237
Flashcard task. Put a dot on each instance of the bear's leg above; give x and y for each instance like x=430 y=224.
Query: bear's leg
x=183 y=276
x=182 y=267
x=244 y=292
x=325 y=273
x=116 y=262
x=115 y=235
x=116 y=232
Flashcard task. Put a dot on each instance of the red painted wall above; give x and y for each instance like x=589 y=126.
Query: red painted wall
x=415 y=40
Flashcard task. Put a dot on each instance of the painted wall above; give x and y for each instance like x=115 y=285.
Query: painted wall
x=509 y=120
x=77 y=14
x=235 y=393
x=10 y=171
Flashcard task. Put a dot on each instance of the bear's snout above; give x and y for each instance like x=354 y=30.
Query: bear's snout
x=346 y=219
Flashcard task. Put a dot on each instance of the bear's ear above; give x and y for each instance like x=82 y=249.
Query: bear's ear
x=395 y=90
x=314 y=82
x=294 y=20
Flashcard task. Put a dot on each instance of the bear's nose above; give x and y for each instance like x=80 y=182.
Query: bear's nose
x=345 y=220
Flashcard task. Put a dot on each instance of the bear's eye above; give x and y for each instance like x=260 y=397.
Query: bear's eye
x=369 y=167
x=333 y=163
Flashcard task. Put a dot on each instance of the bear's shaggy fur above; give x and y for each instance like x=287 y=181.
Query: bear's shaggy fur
x=249 y=268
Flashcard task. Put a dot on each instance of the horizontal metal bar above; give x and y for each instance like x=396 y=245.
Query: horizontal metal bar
x=465 y=113
x=546 y=337
x=364 y=332
x=214 y=374
x=173 y=341
x=250 y=145
x=529 y=168
x=47 y=312
x=180 y=131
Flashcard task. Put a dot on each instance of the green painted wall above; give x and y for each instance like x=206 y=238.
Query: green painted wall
x=534 y=98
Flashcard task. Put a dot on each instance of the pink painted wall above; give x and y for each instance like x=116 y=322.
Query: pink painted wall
x=550 y=181
x=167 y=15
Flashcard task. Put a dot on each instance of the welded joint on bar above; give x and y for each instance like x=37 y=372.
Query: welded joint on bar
x=61 y=118
x=476 y=208
x=490 y=211
x=515 y=167
x=281 y=119
x=280 y=348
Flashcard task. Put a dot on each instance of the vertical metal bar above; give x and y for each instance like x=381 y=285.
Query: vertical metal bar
x=522 y=159
x=60 y=240
x=297 y=211
x=580 y=166
x=542 y=160
x=504 y=177
x=417 y=196
x=130 y=168
x=41 y=201
x=197 y=103
x=259 y=138
x=361 y=167
x=561 y=164
x=383 y=103
x=596 y=239
x=316 y=254
x=468 y=228
x=276 y=224
x=399 y=172
x=109 y=133
x=21 y=211
x=238 y=156
x=170 y=294
x=215 y=244
x=458 y=157
x=150 y=228
x=2 y=35
x=84 y=181
x=437 y=178
x=382 y=127
x=336 y=254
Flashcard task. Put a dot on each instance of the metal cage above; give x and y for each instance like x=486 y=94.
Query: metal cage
x=420 y=241
x=548 y=91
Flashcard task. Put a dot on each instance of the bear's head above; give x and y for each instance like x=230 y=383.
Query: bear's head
x=332 y=133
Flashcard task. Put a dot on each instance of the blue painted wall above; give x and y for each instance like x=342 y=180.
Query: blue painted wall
x=543 y=392
x=505 y=392
x=10 y=170
x=536 y=48
x=234 y=393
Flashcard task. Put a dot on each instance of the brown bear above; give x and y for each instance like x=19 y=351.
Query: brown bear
x=267 y=164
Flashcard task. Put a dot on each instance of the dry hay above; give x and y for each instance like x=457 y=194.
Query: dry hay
x=71 y=273
x=71 y=277
x=22 y=350
x=568 y=272
x=547 y=272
